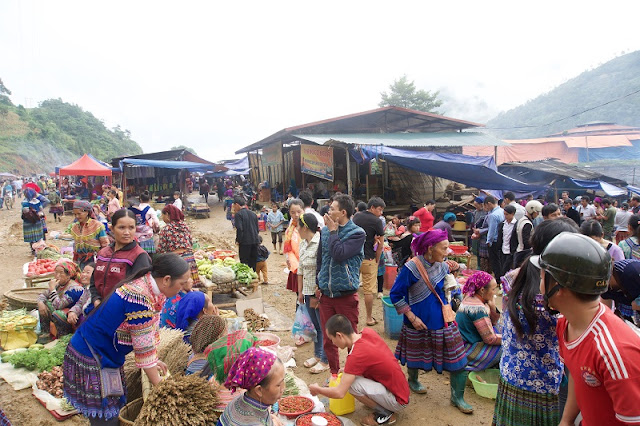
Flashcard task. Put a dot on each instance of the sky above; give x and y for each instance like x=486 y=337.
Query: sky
x=217 y=76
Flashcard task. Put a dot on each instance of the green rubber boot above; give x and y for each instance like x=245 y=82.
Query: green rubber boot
x=458 y=383
x=414 y=384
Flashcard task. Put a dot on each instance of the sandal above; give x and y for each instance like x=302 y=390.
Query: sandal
x=372 y=323
x=319 y=368
x=310 y=362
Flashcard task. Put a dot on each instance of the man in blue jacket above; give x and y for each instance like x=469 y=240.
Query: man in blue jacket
x=340 y=256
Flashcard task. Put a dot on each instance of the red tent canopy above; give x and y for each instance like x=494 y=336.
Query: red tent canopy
x=85 y=166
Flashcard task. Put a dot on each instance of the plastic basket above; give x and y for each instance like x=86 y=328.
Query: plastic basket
x=392 y=320
x=459 y=249
x=488 y=389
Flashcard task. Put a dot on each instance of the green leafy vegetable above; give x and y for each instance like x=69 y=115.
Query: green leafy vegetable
x=43 y=359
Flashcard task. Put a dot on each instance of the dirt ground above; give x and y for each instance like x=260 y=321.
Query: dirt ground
x=433 y=408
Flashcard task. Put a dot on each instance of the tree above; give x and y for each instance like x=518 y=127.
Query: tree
x=191 y=150
x=4 y=94
x=403 y=93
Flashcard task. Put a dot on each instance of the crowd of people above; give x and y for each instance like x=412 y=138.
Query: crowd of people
x=134 y=271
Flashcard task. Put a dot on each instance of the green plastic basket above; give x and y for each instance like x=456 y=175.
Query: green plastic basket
x=488 y=389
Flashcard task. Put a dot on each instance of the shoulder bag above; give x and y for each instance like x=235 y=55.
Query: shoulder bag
x=447 y=312
x=110 y=378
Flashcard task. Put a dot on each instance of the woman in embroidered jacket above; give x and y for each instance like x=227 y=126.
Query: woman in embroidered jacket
x=127 y=320
x=264 y=386
x=88 y=234
x=476 y=318
x=531 y=371
x=62 y=303
x=426 y=342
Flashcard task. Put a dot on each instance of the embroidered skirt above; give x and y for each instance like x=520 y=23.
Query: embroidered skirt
x=481 y=356
x=188 y=257
x=148 y=245
x=32 y=231
x=431 y=349
x=58 y=209
x=515 y=406
x=82 y=387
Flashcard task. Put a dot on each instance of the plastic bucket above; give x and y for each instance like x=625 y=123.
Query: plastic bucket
x=392 y=321
x=489 y=387
x=262 y=225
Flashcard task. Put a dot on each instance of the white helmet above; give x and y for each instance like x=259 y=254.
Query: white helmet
x=533 y=206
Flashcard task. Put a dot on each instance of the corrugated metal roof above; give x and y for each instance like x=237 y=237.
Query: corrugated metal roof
x=380 y=120
x=545 y=171
x=400 y=140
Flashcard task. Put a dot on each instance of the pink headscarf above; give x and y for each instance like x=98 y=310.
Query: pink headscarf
x=421 y=244
x=251 y=367
x=475 y=282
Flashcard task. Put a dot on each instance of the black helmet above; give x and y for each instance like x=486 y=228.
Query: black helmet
x=576 y=262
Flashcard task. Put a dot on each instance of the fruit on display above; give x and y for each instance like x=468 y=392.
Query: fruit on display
x=41 y=267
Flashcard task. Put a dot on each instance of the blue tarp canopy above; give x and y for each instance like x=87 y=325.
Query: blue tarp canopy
x=610 y=190
x=476 y=172
x=634 y=189
x=241 y=164
x=166 y=164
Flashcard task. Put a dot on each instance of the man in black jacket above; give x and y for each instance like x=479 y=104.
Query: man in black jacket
x=246 y=232
x=570 y=212
x=508 y=239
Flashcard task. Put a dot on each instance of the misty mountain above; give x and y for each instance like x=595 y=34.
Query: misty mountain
x=591 y=89
x=56 y=133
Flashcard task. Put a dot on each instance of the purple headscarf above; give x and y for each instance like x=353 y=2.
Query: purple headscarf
x=475 y=282
x=420 y=244
x=251 y=367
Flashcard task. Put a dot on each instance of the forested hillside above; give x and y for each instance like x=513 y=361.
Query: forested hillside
x=35 y=140
x=612 y=80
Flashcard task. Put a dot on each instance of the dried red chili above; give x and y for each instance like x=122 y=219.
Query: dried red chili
x=305 y=420
x=294 y=404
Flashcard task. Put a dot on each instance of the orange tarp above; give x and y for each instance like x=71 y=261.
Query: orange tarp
x=527 y=152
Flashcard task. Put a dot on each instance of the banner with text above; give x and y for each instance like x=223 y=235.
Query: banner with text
x=272 y=154
x=317 y=161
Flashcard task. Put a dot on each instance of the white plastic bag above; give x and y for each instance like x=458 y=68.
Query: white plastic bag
x=303 y=329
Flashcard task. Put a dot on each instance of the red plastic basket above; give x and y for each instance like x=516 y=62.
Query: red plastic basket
x=292 y=415
x=459 y=249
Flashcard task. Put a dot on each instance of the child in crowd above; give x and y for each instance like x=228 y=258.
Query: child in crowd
x=207 y=330
x=371 y=373
x=170 y=308
x=177 y=201
x=598 y=348
x=261 y=263
x=275 y=221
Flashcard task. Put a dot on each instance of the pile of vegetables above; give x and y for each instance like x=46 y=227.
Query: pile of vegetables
x=17 y=320
x=41 y=267
x=291 y=388
x=51 y=381
x=244 y=273
x=254 y=321
x=37 y=357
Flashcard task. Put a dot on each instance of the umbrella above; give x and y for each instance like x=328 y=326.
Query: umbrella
x=33 y=186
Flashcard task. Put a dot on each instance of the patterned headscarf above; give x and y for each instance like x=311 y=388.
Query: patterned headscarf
x=189 y=308
x=174 y=213
x=251 y=367
x=207 y=330
x=475 y=282
x=69 y=267
x=84 y=206
x=421 y=244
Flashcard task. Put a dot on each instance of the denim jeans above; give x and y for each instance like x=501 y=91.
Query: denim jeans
x=318 y=350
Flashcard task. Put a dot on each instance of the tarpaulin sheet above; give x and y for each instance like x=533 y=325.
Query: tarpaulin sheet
x=527 y=152
x=633 y=189
x=476 y=172
x=613 y=153
x=608 y=189
x=165 y=164
x=239 y=165
x=85 y=166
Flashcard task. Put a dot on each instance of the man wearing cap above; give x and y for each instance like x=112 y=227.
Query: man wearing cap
x=599 y=350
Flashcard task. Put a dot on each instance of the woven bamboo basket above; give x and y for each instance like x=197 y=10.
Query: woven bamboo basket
x=130 y=412
x=24 y=297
